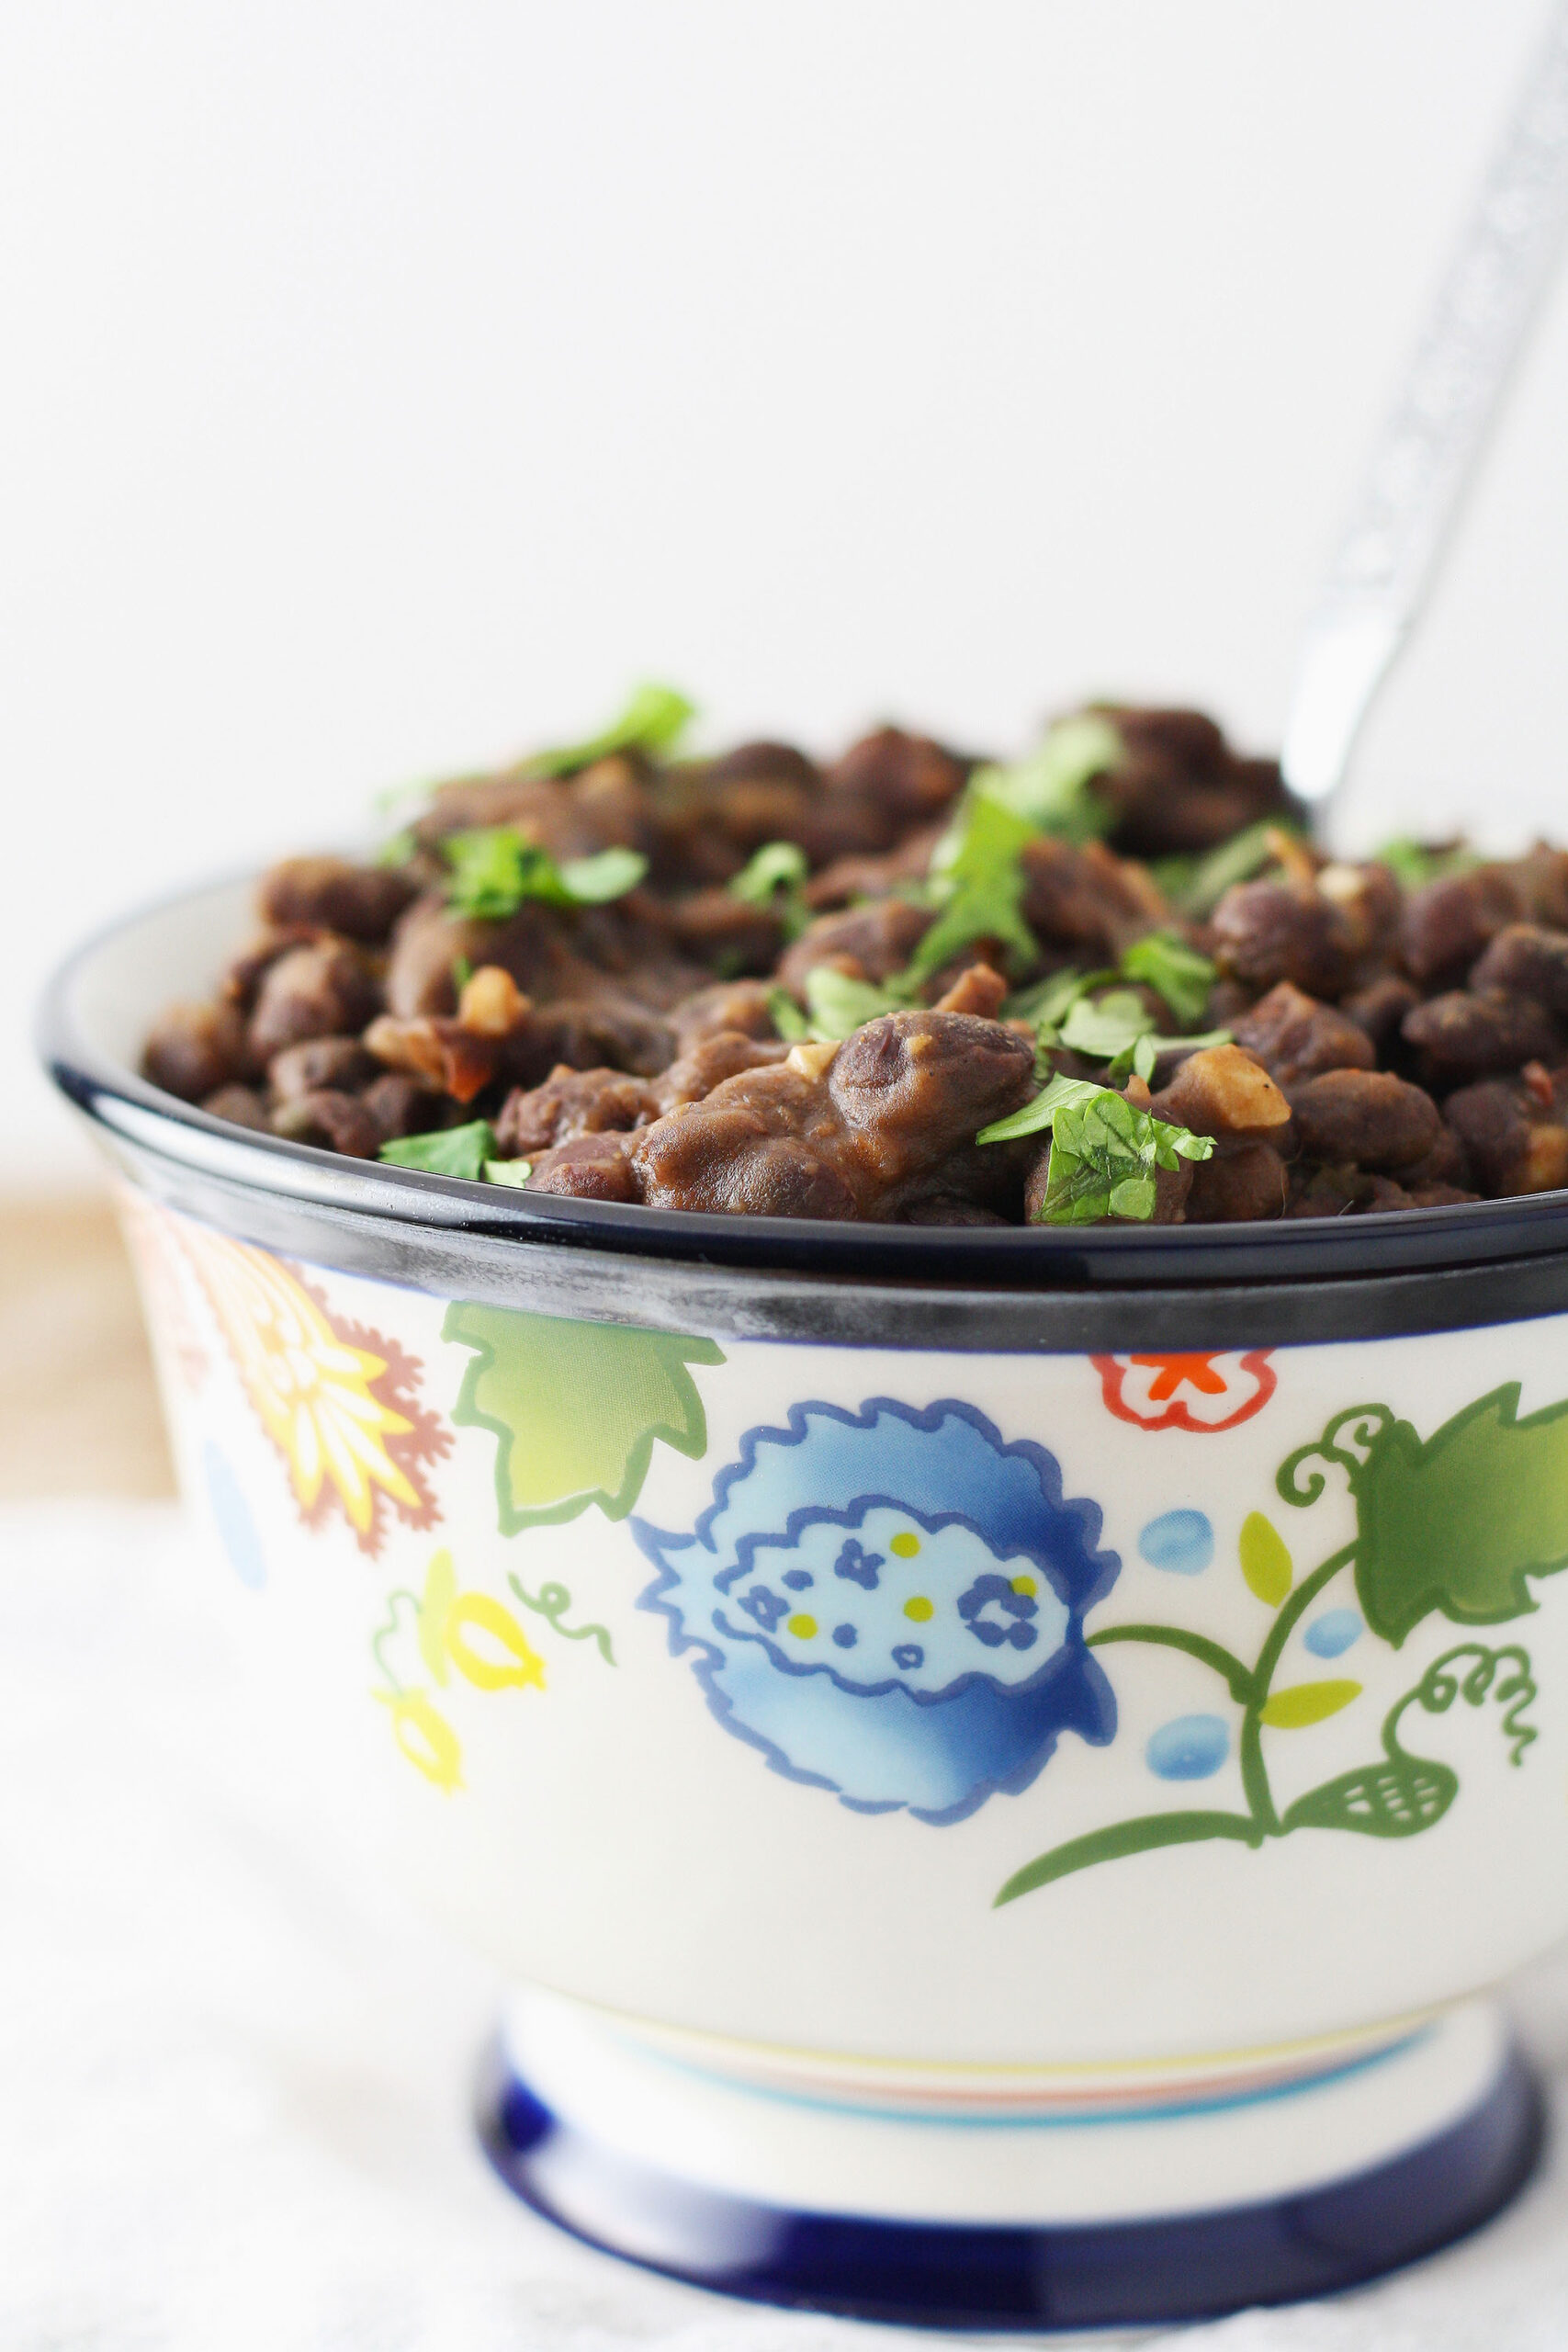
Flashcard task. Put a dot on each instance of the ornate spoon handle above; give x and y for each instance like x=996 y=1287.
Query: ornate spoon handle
x=1427 y=451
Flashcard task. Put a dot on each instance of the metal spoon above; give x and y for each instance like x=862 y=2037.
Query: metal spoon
x=1425 y=458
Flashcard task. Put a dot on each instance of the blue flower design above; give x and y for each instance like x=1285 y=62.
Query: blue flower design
x=858 y=1564
x=918 y=1523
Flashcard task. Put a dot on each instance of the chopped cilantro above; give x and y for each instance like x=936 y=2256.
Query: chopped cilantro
x=653 y=720
x=508 y=1171
x=1147 y=1050
x=984 y=884
x=1415 y=862
x=494 y=869
x=1175 y=971
x=838 y=1006
x=1237 y=860
x=1108 y=1024
x=397 y=848
x=594 y=881
x=1036 y=1117
x=1104 y=1157
x=462 y=973
x=1051 y=788
x=787 y=1017
x=446 y=1151
x=1049 y=1001
x=771 y=877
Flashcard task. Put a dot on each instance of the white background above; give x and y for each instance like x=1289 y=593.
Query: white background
x=384 y=386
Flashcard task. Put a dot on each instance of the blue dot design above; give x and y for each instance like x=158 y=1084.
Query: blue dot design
x=1190 y=1749
x=1179 y=1541
x=1332 y=1635
x=232 y=1514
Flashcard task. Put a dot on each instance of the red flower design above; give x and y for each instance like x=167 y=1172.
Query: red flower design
x=1205 y=1392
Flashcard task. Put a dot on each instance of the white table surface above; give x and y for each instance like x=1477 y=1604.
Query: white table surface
x=234 y=2067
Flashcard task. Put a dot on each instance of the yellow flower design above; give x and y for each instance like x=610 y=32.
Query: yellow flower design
x=334 y=1407
x=444 y=1620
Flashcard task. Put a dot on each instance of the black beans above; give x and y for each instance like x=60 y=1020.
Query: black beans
x=1395 y=1049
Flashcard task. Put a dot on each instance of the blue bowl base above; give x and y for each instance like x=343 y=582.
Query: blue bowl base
x=1077 y=2277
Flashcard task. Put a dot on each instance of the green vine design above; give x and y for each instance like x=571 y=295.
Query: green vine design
x=389 y=1631
x=1493 y=1489
x=551 y=1603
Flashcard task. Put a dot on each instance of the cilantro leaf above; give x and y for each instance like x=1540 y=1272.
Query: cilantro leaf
x=508 y=1171
x=977 y=864
x=1104 y=1157
x=397 y=848
x=594 y=881
x=653 y=720
x=1237 y=860
x=1049 y=1001
x=1108 y=1024
x=787 y=1017
x=1415 y=862
x=446 y=1151
x=838 y=1006
x=1050 y=788
x=771 y=877
x=1036 y=1117
x=1175 y=971
x=1146 y=1051
x=494 y=869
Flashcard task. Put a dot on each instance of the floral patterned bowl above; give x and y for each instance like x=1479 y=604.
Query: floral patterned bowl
x=792 y=1652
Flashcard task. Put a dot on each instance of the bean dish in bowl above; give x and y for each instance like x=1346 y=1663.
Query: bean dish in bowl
x=784 y=1359
x=1111 y=983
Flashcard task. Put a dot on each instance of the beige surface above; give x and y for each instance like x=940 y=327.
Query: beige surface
x=78 y=1410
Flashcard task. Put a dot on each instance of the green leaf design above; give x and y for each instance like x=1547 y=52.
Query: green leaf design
x=1303 y=1703
x=435 y=1608
x=1394 y=1799
x=1460 y=1522
x=575 y=1407
x=1140 y=1837
x=1265 y=1561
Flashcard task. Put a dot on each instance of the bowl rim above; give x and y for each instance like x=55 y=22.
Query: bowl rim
x=1041 y=1259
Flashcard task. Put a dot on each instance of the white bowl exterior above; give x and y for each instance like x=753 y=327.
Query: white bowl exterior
x=599 y=1828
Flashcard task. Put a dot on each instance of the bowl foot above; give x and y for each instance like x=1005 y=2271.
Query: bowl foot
x=670 y=2165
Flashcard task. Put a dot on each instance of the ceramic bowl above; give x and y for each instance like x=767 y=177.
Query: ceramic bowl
x=1001 y=1766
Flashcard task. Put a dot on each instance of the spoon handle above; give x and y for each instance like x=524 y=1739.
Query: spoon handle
x=1426 y=453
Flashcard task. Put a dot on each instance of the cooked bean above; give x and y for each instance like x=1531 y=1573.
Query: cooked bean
x=1367 y=1116
x=1294 y=1036
x=1246 y=1185
x=240 y=1105
x=341 y=1063
x=1470 y=1033
x=1269 y=931
x=1525 y=959
x=913 y=778
x=588 y=1168
x=1514 y=1142
x=359 y=902
x=1381 y=1006
x=320 y=992
x=335 y=1122
x=1221 y=1091
x=403 y=1104
x=1447 y=923
x=571 y=1103
x=195 y=1048
x=880 y=938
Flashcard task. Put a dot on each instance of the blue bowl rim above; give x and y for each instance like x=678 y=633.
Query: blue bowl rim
x=1523 y=1233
